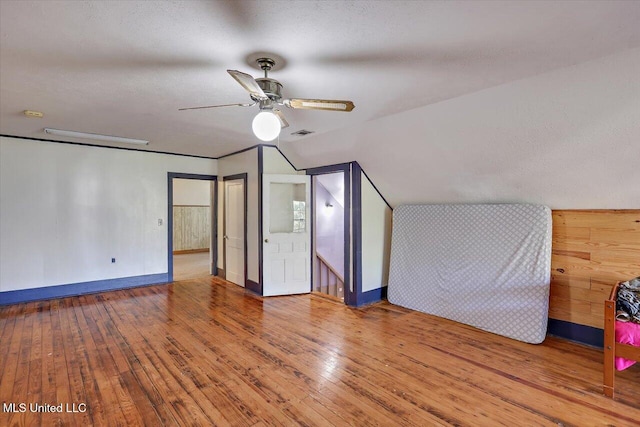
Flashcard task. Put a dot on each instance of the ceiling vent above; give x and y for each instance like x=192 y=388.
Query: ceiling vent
x=302 y=132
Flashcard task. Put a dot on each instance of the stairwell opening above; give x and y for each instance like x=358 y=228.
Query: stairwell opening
x=329 y=232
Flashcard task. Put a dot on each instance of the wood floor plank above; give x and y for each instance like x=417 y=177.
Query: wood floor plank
x=376 y=371
x=9 y=339
x=132 y=379
x=207 y=352
x=14 y=378
x=48 y=379
x=35 y=363
x=59 y=330
x=84 y=384
x=112 y=378
x=164 y=376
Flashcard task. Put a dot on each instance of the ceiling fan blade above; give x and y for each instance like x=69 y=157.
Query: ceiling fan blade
x=248 y=83
x=320 y=104
x=216 y=106
x=283 y=122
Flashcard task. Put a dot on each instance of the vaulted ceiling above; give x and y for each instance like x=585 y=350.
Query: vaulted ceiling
x=486 y=101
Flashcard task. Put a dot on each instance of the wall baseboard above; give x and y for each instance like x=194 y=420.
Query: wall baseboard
x=74 y=289
x=573 y=332
x=190 y=251
x=372 y=296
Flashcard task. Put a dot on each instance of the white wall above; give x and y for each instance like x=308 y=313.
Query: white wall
x=66 y=210
x=567 y=139
x=191 y=192
x=246 y=162
x=376 y=238
x=274 y=162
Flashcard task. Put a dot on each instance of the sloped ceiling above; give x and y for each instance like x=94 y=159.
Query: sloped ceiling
x=455 y=101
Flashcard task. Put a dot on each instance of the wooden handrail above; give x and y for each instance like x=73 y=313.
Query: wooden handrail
x=333 y=270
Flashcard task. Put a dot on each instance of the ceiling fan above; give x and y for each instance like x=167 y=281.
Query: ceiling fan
x=266 y=93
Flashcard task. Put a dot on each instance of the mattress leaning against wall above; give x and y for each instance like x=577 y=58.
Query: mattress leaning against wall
x=487 y=266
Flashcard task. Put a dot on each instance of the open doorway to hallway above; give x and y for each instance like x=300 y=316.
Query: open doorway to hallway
x=329 y=234
x=192 y=220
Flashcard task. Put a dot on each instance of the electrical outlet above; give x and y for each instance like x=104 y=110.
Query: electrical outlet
x=159 y=222
x=113 y=260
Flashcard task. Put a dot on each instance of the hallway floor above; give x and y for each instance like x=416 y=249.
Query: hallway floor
x=190 y=266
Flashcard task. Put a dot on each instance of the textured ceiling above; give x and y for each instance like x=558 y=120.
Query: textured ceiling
x=124 y=68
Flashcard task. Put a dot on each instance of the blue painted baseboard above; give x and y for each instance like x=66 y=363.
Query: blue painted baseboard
x=61 y=291
x=372 y=296
x=574 y=332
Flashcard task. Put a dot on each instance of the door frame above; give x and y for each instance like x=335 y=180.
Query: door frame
x=213 y=244
x=349 y=294
x=244 y=178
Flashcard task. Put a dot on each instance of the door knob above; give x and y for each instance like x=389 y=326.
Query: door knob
x=266 y=240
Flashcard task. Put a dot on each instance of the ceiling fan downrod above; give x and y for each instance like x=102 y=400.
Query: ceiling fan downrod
x=266 y=64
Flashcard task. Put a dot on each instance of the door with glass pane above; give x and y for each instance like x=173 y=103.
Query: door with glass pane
x=287 y=239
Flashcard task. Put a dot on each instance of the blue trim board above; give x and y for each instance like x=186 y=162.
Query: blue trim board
x=356 y=200
x=170 y=226
x=372 y=296
x=348 y=279
x=195 y=176
x=244 y=178
x=214 y=229
x=345 y=168
x=234 y=177
x=73 y=289
x=338 y=167
x=312 y=227
x=239 y=151
x=574 y=332
x=260 y=231
x=214 y=225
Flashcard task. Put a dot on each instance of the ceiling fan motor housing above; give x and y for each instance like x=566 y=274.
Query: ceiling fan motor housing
x=272 y=88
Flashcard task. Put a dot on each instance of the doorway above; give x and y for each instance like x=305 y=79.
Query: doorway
x=192 y=227
x=235 y=229
x=329 y=241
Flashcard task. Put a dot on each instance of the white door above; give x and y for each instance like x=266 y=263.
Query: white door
x=234 y=231
x=287 y=239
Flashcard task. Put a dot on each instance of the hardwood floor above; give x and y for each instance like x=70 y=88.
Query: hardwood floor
x=205 y=352
x=190 y=266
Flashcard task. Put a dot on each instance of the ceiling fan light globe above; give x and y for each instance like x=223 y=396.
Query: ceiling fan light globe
x=266 y=126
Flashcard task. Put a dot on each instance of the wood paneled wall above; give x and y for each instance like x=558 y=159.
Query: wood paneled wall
x=191 y=228
x=591 y=251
